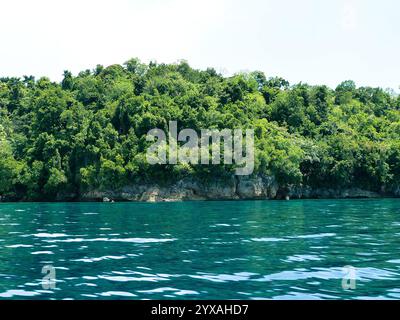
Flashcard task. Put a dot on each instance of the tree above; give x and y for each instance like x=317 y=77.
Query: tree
x=9 y=167
x=88 y=132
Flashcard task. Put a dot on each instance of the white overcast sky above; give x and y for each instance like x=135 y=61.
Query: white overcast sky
x=314 y=41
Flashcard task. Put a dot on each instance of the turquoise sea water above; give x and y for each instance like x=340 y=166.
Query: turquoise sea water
x=200 y=250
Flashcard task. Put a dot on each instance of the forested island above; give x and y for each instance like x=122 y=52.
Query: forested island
x=85 y=138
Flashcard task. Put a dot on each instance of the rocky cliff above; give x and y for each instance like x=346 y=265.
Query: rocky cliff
x=234 y=188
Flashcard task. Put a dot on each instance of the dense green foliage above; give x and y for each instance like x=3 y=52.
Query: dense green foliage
x=88 y=132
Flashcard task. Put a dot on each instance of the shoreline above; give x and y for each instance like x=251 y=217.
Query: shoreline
x=191 y=200
x=191 y=189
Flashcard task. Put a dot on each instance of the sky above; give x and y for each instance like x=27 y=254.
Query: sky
x=312 y=41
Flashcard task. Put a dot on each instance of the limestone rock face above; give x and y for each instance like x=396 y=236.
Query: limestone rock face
x=305 y=192
x=250 y=188
x=232 y=188
x=219 y=189
x=396 y=191
x=257 y=187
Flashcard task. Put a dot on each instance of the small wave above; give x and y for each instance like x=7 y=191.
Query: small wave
x=18 y=293
x=220 y=225
x=177 y=292
x=42 y=252
x=50 y=235
x=304 y=296
x=313 y=236
x=269 y=239
x=131 y=240
x=128 y=279
x=334 y=273
x=394 y=261
x=117 y=293
x=223 y=277
x=89 y=260
x=328 y=274
x=86 y=284
x=142 y=240
x=302 y=258
x=89 y=278
x=376 y=274
x=19 y=246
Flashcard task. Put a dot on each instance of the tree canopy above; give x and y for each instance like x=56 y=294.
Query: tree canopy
x=88 y=131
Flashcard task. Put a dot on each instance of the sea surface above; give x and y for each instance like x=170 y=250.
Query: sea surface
x=321 y=249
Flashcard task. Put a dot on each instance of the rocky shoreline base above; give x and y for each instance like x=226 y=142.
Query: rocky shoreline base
x=235 y=188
